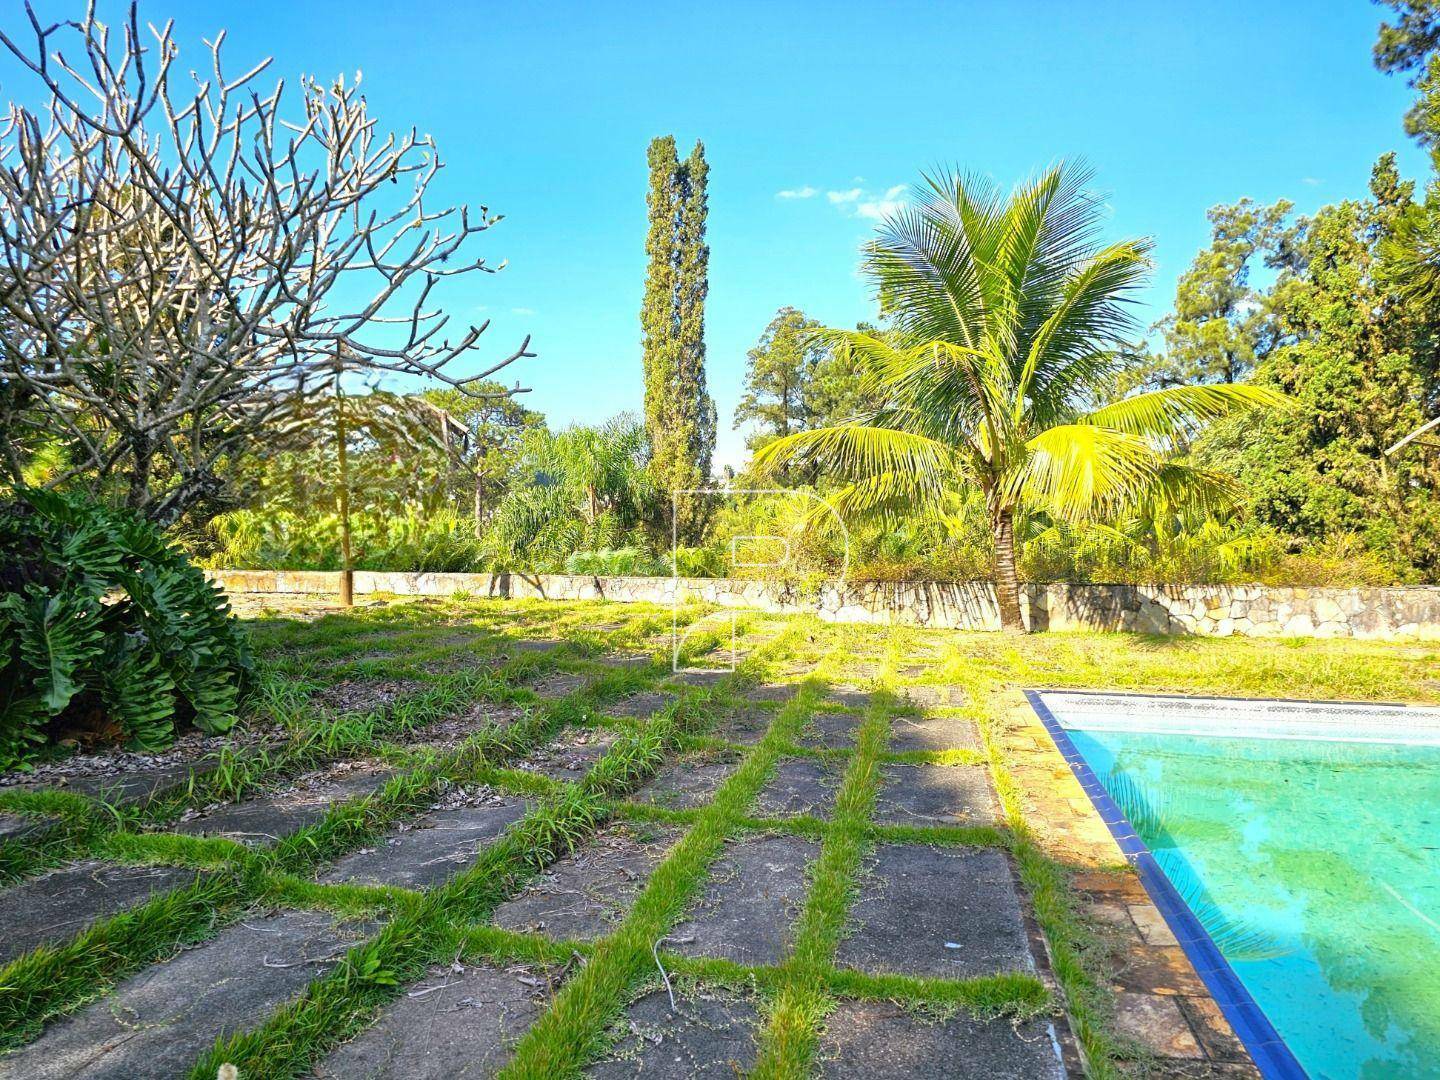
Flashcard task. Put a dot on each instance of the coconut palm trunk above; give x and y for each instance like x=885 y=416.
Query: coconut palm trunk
x=1008 y=317
x=1007 y=580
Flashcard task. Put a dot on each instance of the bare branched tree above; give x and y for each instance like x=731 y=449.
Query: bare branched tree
x=181 y=260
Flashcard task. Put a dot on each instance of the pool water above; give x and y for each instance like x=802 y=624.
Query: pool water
x=1314 y=861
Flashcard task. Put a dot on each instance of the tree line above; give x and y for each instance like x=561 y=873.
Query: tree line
x=173 y=339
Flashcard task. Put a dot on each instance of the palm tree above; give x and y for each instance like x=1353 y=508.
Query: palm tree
x=581 y=487
x=1008 y=319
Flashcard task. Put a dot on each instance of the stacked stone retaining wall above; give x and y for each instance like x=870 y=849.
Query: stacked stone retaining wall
x=1211 y=610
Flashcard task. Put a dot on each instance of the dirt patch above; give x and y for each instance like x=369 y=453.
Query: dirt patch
x=934 y=697
x=461 y=1020
x=800 y=786
x=450 y=732
x=928 y=795
x=744 y=726
x=930 y=911
x=156 y=1023
x=703 y=1036
x=429 y=850
x=641 y=705
x=933 y=733
x=55 y=906
x=751 y=901
x=302 y=802
x=848 y=697
x=571 y=755
x=358 y=696
x=830 y=731
x=871 y=1040
x=558 y=684
x=771 y=692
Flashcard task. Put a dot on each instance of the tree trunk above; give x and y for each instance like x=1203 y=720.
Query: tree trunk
x=347 y=563
x=1007 y=582
x=138 y=497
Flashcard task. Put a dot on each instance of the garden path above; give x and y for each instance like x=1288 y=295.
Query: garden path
x=537 y=856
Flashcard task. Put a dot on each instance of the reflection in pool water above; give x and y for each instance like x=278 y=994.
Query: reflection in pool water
x=1316 y=867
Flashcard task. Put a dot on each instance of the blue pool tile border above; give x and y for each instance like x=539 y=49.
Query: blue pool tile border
x=1068 y=692
x=1252 y=1027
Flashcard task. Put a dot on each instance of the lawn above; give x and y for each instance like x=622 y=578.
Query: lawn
x=435 y=806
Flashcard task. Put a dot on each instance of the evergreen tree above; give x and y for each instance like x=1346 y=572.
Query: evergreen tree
x=679 y=413
x=778 y=373
x=1408 y=46
x=1223 y=325
x=796 y=380
x=1318 y=469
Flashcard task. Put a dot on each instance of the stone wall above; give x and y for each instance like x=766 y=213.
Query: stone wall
x=1212 y=610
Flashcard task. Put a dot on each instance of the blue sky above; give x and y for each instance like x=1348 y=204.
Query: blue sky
x=543 y=112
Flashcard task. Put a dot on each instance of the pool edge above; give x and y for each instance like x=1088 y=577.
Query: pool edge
x=1265 y=1045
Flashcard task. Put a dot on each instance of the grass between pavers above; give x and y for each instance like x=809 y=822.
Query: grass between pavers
x=31 y=994
x=573 y=1031
x=320 y=739
x=984 y=665
x=315 y=737
x=809 y=981
x=795 y=1015
x=50 y=980
x=346 y=1000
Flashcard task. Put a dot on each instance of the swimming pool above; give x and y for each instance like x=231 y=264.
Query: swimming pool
x=1304 y=840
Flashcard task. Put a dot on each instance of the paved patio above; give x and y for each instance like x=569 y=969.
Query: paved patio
x=743 y=828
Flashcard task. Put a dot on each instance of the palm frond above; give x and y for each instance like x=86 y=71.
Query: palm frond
x=1189 y=489
x=1079 y=472
x=1076 y=342
x=1178 y=412
x=860 y=452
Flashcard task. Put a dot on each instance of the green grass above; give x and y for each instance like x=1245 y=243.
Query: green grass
x=50 y=982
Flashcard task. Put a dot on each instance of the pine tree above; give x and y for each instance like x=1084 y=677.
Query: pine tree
x=679 y=414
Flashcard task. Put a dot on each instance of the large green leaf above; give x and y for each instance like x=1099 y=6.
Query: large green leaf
x=58 y=636
x=1077 y=471
x=138 y=693
x=105 y=604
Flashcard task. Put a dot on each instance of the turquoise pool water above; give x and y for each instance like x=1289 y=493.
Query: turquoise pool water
x=1314 y=861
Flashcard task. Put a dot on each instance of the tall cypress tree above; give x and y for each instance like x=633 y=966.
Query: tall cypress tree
x=679 y=413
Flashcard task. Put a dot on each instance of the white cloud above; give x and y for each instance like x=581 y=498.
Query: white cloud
x=1311 y=181
x=857 y=201
x=522 y=311
x=877 y=209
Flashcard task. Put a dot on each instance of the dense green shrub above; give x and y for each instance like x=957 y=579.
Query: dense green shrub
x=617 y=562
x=417 y=541
x=538 y=531
x=107 y=629
x=699 y=562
